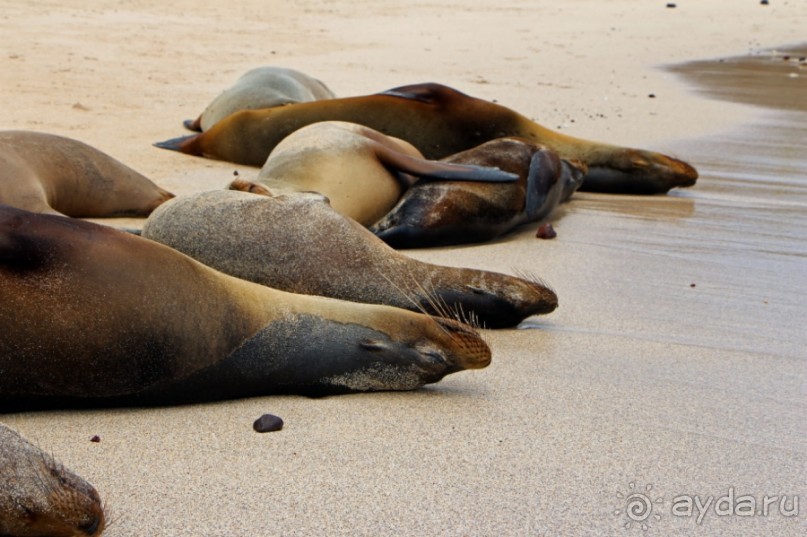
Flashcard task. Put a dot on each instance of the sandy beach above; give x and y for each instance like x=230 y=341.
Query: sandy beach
x=674 y=367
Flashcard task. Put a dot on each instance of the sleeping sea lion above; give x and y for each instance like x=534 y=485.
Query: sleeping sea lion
x=94 y=315
x=46 y=173
x=299 y=243
x=361 y=171
x=439 y=121
x=457 y=212
x=263 y=87
x=40 y=497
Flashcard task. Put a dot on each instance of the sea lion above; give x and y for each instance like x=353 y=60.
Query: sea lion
x=361 y=171
x=263 y=87
x=458 y=212
x=299 y=243
x=439 y=121
x=40 y=497
x=46 y=173
x=94 y=315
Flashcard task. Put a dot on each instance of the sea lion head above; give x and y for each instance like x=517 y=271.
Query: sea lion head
x=41 y=498
x=636 y=171
x=496 y=300
x=373 y=348
x=417 y=353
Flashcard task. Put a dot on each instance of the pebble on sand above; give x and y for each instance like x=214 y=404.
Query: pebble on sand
x=546 y=231
x=267 y=423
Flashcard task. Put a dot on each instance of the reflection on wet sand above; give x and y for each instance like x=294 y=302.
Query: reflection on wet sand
x=722 y=262
x=762 y=164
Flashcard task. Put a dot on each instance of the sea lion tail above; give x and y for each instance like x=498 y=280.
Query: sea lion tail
x=184 y=144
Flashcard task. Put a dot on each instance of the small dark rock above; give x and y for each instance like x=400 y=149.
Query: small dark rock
x=267 y=423
x=763 y=2
x=546 y=231
x=692 y=285
x=95 y=439
x=652 y=95
x=671 y=5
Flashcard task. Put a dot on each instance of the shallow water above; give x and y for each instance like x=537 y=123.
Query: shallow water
x=722 y=264
x=750 y=205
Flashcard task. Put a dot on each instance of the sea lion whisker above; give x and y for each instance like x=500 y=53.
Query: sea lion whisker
x=456 y=312
x=439 y=304
x=434 y=300
x=531 y=277
x=419 y=307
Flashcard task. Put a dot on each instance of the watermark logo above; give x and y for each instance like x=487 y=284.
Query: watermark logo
x=641 y=507
x=638 y=506
x=732 y=504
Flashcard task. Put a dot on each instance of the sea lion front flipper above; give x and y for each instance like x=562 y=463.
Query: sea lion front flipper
x=248 y=186
x=425 y=93
x=544 y=172
x=432 y=169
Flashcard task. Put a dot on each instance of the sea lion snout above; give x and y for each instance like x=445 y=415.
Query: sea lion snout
x=39 y=496
x=466 y=348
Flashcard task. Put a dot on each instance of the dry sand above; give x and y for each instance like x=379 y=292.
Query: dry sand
x=639 y=379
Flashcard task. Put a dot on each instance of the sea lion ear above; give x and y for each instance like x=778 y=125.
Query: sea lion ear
x=373 y=345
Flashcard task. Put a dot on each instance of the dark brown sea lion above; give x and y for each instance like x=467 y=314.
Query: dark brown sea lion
x=361 y=171
x=457 y=212
x=90 y=312
x=41 y=498
x=299 y=243
x=263 y=87
x=46 y=173
x=439 y=121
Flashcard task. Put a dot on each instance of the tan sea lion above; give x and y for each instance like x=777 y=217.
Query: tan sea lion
x=439 y=121
x=457 y=212
x=361 y=171
x=263 y=87
x=92 y=314
x=299 y=243
x=41 y=498
x=46 y=173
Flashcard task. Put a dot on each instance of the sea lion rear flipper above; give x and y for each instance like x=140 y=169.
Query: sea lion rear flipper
x=434 y=169
x=193 y=124
x=184 y=144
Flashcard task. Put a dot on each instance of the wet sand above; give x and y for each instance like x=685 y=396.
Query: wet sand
x=639 y=378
